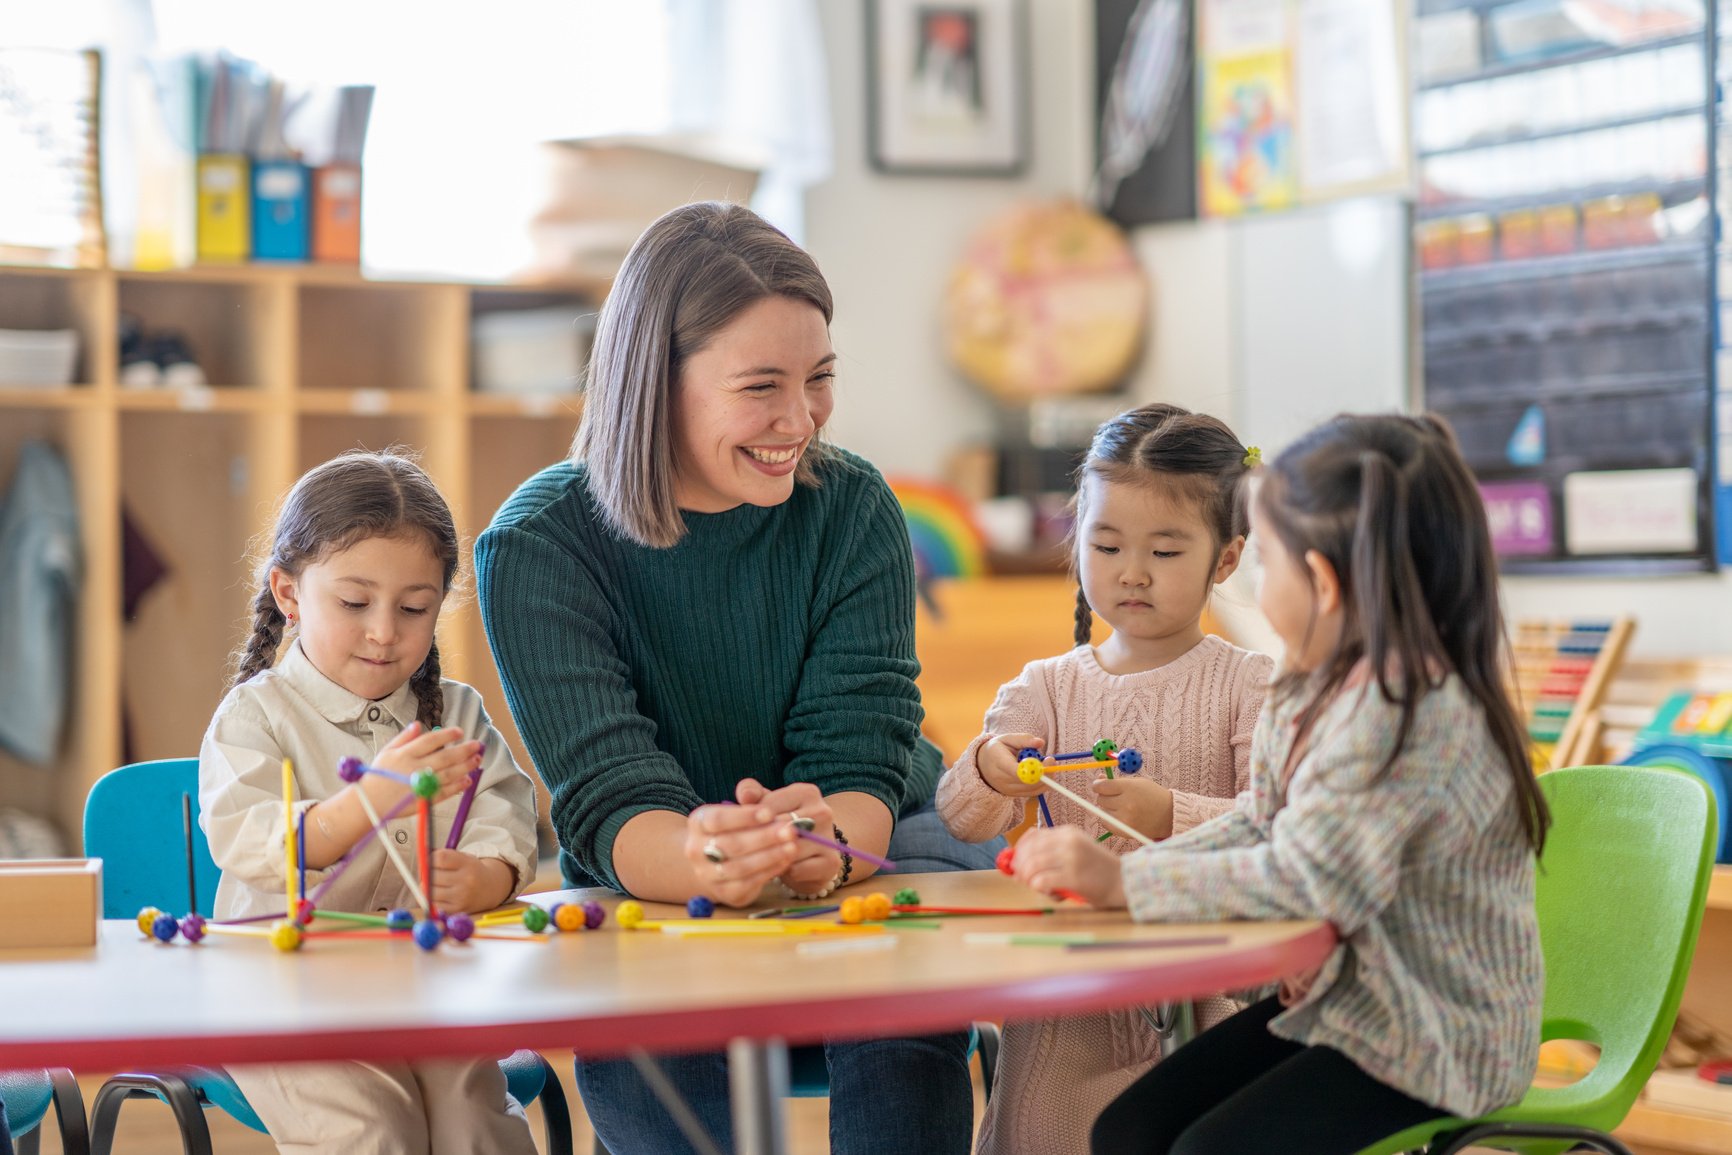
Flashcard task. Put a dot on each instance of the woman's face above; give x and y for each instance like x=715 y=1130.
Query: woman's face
x=748 y=405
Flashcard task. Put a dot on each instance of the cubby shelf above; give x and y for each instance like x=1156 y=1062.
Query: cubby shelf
x=305 y=362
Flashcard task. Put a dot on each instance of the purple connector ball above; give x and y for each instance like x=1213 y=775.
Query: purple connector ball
x=1130 y=761
x=700 y=907
x=459 y=926
x=399 y=919
x=192 y=927
x=165 y=928
x=349 y=769
x=594 y=914
x=428 y=934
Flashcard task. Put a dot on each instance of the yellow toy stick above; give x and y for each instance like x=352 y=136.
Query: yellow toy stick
x=289 y=835
x=1030 y=770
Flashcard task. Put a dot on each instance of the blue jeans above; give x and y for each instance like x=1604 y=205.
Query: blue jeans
x=886 y=1095
x=5 y=1133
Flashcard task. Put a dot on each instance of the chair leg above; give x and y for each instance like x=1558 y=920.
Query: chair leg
x=987 y=1033
x=555 y=1114
x=171 y=1089
x=1581 y=1136
x=29 y=1143
x=69 y=1113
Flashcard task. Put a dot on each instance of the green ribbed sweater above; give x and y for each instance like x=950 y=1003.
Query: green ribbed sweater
x=770 y=643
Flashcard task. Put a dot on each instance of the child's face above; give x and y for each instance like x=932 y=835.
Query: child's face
x=1302 y=605
x=1147 y=559
x=748 y=404
x=367 y=612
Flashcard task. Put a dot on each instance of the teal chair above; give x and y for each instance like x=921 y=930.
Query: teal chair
x=28 y=1095
x=1621 y=892
x=132 y=821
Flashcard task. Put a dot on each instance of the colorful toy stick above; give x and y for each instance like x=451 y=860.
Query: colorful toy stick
x=980 y=910
x=851 y=851
x=186 y=829
x=1040 y=800
x=1150 y=943
x=250 y=918
x=1032 y=770
x=301 y=853
x=1057 y=939
x=396 y=859
x=289 y=833
x=463 y=806
x=342 y=863
x=424 y=837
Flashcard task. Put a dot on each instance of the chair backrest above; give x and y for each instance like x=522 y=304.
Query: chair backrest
x=1621 y=890
x=132 y=821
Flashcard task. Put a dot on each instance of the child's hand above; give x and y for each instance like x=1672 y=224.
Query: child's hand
x=997 y=761
x=462 y=882
x=1139 y=803
x=1056 y=858
x=442 y=751
x=814 y=866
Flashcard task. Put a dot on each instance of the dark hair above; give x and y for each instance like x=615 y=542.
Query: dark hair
x=1164 y=444
x=1390 y=504
x=691 y=273
x=345 y=501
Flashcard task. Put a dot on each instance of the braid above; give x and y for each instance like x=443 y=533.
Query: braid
x=1085 y=619
x=260 y=652
x=429 y=691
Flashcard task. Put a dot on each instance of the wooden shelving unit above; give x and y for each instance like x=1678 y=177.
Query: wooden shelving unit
x=304 y=362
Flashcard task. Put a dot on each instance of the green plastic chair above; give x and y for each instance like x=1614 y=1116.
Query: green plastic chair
x=1620 y=897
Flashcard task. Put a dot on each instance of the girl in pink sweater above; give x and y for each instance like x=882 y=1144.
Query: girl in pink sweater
x=1161 y=521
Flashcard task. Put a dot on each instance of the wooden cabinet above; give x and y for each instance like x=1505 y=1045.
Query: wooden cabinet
x=303 y=363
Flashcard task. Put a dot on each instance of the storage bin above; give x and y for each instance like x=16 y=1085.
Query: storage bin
x=38 y=357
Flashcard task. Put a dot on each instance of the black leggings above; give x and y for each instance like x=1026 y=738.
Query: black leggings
x=1236 y=1089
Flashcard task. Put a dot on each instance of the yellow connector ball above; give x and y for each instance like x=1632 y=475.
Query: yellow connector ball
x=853 y=910
x=629 y=914
x=286 y=936
x=877 y=907
x=147 y=920
x=1030 y=770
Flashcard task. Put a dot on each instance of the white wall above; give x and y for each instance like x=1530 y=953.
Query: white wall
x=887 y=243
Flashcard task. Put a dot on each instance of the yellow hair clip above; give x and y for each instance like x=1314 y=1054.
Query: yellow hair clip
x=1253 y=457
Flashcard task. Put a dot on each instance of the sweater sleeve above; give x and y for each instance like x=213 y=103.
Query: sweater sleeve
x=972 y=810
x=570 y=693
x=240 y=797
x=854 y=724
x=1334 y=851
x=1250 y=683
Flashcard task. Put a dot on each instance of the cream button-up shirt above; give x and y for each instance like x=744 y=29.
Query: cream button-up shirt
x=293 y=711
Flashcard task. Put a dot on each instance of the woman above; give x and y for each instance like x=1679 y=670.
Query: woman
x=705 y=626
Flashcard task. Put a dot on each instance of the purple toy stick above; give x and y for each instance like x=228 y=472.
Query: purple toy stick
x=342 y=863
x=852 y=852
x=463 y=807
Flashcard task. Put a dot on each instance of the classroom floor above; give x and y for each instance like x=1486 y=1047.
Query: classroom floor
x=147 y=1128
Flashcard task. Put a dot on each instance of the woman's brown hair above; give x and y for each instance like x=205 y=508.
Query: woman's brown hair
x=1163 y=443
x=690 y=274
x=1390 y=504
x=341 y=503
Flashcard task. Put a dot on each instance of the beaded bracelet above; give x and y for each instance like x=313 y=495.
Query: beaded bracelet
x=841 y=878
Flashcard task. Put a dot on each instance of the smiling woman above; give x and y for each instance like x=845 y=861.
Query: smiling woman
x=704 y=623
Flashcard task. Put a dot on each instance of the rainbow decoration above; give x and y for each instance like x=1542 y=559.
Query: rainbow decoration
x=941 y=528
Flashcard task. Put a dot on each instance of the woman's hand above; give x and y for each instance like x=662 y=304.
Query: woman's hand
x=747 y=846
x=443 y=751
x=1139 y=803
x=463 y=882
x=997 y=760
x=814 y=866
x=1057 y=858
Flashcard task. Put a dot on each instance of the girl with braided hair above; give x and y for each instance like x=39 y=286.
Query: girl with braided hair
x=361 y=560
x=1160 y=521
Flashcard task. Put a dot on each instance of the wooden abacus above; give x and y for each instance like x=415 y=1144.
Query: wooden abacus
x=1563 y=669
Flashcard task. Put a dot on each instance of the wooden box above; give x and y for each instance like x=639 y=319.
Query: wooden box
x=50 y=901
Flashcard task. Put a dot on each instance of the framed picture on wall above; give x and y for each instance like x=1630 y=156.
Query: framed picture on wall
x=946 y=86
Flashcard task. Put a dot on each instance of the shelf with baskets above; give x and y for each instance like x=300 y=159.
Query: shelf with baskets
x=300 y=363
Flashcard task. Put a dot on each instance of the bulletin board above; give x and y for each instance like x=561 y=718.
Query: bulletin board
x=1563 y=246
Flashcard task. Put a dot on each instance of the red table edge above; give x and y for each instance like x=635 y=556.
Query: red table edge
x=884 y=1015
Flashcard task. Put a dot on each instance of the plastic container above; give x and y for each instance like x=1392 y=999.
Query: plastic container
x=531 y=350
x=38 y=357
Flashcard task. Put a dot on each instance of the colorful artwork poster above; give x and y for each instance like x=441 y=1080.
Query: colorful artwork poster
x=1248 y=161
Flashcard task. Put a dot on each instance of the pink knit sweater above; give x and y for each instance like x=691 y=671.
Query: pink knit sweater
x=1191 y=720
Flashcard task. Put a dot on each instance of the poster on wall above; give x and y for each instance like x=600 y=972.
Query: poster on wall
x=1298 y=102
x=1146 y=110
